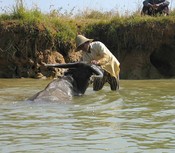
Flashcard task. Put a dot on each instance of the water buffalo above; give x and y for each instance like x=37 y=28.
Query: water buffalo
x=74 y=82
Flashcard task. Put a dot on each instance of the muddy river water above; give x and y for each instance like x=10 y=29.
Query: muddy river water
x=140 y=117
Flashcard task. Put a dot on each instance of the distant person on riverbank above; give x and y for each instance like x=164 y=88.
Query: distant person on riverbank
x=155 y=7
x=97 y=53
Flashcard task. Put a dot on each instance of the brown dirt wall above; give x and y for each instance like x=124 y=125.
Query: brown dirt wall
x=145 y=50
x=24 y=49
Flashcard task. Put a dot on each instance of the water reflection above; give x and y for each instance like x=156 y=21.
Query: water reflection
x=138 y=118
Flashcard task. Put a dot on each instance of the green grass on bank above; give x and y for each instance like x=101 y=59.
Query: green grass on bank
x=34 y=15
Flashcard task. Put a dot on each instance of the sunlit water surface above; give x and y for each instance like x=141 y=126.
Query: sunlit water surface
x=140 y=117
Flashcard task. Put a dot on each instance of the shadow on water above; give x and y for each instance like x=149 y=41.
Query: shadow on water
x=137 y=118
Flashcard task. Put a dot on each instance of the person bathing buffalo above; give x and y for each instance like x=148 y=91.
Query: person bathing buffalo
x=95 y=52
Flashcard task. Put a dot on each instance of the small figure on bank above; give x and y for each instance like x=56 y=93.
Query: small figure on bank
x=155 y=7
x=97 y=53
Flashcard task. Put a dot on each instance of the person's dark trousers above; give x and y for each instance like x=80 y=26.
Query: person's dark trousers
x=162 y=10
x=98 y=83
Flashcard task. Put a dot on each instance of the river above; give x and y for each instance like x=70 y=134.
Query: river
x=140 y=117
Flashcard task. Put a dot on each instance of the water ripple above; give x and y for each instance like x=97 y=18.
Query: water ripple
x=137 y=118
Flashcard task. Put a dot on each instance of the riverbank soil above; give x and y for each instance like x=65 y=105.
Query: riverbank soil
x=145 y=50
x=24 y=50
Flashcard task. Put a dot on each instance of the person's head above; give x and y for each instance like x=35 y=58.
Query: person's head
x=82 y=43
